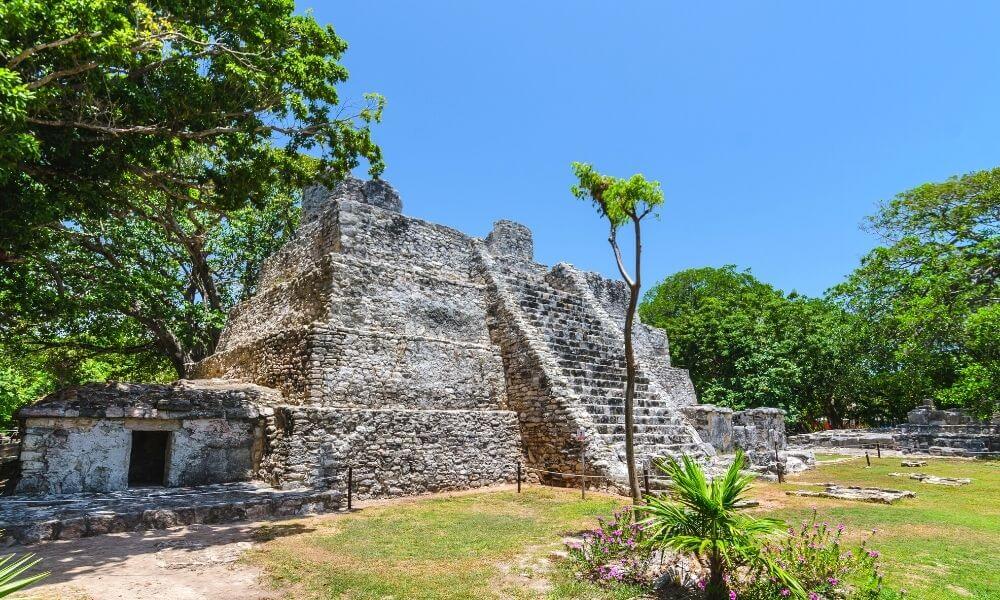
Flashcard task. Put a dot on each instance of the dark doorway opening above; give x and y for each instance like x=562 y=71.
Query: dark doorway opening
x=148 y=463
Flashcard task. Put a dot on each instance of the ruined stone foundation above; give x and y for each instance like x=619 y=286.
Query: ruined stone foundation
x=425 y=359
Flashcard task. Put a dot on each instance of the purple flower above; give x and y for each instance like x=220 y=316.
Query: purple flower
x=732 y=595
x=873 y=553
x=813 y=596
x=832 y=580
x=785 y=592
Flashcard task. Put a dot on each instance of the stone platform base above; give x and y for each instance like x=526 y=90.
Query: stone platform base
x=30 y=519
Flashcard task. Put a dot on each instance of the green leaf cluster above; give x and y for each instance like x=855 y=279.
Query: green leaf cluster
x=702 y=517
x=617 y=200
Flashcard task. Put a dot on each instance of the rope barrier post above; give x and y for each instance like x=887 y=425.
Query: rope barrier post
x=518 y=477
x=777 y=464
x=645 y=478
x=350 y=486
x=878 y=450
x=583 y=476
x=868 y=459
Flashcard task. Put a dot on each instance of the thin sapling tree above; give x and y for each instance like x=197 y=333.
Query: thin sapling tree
x=622 y=202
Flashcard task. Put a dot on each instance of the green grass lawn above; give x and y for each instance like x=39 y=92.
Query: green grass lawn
x=944 y=544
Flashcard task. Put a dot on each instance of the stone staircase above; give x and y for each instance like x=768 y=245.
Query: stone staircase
x=592 y=366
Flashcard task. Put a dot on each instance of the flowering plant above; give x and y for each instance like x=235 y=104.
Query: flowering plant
x=613 y=552
x=815 y=555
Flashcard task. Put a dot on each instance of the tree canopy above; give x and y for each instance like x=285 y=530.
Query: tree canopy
x=918 y=319
x=748 y=344
x=210 y=103
x=929 y=296
x=151 y=156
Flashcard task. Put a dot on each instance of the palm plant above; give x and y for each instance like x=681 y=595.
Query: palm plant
x=702 y=518
x=11 y=569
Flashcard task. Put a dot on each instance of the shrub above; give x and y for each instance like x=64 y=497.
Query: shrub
x=614 y=552
x=814 y=554
x=702 y=518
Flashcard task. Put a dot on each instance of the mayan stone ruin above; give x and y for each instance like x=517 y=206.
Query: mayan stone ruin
x=422 y=358
x=928 y=430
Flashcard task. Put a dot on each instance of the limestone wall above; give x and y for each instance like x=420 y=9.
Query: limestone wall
x=380 y=369
x=392 y=452
x=72 y=455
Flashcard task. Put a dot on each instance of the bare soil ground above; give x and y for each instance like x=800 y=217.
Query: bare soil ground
x=199 y=562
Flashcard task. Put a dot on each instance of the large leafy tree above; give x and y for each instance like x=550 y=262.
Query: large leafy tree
x=747 y=344
x=623 y=202
x=929 y=296
x=209 y=102
x=150 y=157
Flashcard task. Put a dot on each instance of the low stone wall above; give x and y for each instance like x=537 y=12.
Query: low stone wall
x=846 y=438
x=392 y=452
x=928 y=430
x=713 y=423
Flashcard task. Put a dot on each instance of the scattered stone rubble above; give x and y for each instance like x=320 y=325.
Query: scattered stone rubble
x=913 y=463
x=861 y=494
x=927 y=430
x=934 y=479
x=421 y=358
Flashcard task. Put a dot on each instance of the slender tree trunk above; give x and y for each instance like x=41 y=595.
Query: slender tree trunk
x=630 y=373
x=634 y=285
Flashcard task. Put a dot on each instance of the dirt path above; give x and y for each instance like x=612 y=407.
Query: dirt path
x=200 y=562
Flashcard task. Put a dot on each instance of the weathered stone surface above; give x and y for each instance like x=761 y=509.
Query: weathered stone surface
x=80 y=439
x=934 y=479
x=861 y=494
x=422 y=357
x=82 y=515
x=391 y=452
x=913 y=463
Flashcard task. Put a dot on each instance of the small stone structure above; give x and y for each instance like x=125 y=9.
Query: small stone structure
x=106 y=437
x=934 y=479
x=421 y=358
x=927 y=430
x=860 y=494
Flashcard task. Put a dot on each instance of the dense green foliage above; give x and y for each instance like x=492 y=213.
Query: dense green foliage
x=919 y=318
x=747 y=344
x=930 y=298
x=209 y=102
x=150 y=158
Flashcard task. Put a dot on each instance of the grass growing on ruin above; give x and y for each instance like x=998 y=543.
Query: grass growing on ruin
x=941 y=545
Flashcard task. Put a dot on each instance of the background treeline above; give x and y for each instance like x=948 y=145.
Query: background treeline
x=919 y=318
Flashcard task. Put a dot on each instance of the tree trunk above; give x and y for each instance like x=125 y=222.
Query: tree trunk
x=630 y=372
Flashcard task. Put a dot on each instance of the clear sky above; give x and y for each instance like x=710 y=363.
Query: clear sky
x=774 y=127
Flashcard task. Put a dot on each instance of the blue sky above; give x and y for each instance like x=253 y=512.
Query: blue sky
x=774 y=127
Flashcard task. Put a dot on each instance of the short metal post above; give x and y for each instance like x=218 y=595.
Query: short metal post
x=878 y=450
x=350 y=486
x=868 y=459
x=645 y=478
x=777 y=464
x=518 y=477
x=583 y=476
